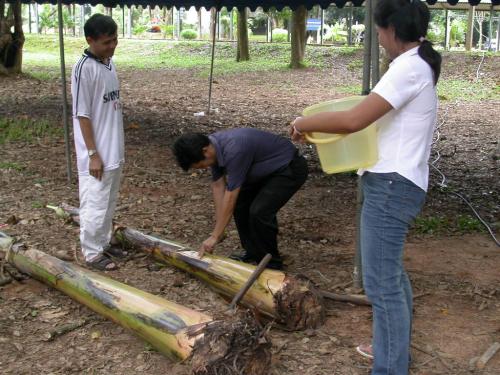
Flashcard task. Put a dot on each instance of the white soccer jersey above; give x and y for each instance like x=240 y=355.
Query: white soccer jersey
x=96 y=95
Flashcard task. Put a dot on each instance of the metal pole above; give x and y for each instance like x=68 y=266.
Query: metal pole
x=490 y=29
x=29 y=18
x=74 y=19
x=270 y=29
x=218 y=24
x=37 y=22
x=367 y=48
x=179 y=23
x=123 y=21
x=498 y=33
x=210 y=79
x=447 y=31
x=322 y=25
x=375 y=53
x=63 y=90
x=129 y=21
x=267 y=28
x=82 y=18
x=349 y=26
x=357 y=274
x=231 y=25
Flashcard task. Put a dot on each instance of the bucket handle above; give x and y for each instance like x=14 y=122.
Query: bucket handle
x=320 y=141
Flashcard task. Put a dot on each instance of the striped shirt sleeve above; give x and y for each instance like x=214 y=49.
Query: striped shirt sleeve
x=83 y=88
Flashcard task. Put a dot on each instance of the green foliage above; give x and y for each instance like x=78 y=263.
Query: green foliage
x=458 y=29
x=189 y=26
x=259 y=20
x=280 y=35
x=27 y=130
x=168 y=30
x=441 y=224
x=139 y=29
x=68 y=19
x=435 y=33
x=48 y=18
x=467 y=223
x=336 y=33
x=282 y=18
x=189 y=34
x=430 y=225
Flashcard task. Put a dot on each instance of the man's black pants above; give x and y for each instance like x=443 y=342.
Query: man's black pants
x=258 y=204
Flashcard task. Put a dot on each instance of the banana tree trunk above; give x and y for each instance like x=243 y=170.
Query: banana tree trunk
x=229 y=346
x=292 y=300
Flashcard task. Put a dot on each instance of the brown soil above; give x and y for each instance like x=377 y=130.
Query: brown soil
x=455 y=275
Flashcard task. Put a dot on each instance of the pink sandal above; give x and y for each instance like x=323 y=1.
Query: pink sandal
x=366 y=350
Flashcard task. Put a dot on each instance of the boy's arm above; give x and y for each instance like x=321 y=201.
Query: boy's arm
x=96 y=167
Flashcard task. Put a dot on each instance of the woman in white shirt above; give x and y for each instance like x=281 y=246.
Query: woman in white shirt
x=404 y=106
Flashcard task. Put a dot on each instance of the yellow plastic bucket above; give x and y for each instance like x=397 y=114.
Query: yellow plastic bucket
x=343 y=152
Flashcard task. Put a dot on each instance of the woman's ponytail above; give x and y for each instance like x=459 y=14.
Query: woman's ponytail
x=431 y=57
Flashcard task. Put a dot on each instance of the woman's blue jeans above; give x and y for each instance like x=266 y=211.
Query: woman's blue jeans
x=391 y=202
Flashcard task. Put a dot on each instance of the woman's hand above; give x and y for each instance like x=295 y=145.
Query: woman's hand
x=295 y=133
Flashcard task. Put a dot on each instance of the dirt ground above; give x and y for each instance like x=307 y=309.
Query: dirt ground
x=455 y=275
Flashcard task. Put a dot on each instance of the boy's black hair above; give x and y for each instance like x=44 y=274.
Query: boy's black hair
x=99 y=25
x=188 y=149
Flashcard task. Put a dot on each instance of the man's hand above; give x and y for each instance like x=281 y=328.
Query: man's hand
x=96 y=167
x=208 y=246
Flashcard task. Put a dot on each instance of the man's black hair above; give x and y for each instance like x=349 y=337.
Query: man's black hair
x=99 y=25
x=188 y=149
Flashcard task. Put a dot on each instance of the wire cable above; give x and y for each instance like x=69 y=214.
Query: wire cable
x=444 y=188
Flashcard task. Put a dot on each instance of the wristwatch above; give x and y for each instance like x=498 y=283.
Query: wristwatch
x=92 y=153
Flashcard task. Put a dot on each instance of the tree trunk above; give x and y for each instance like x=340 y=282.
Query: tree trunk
x=242 y=53
x=292 y=301
x=172 y=329
x=298 y=37
x=11 y=43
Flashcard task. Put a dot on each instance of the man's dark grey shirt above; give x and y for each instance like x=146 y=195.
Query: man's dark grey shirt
x=248 y=155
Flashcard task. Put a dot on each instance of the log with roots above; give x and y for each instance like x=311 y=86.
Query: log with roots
x=292 y=300
x=232 y=345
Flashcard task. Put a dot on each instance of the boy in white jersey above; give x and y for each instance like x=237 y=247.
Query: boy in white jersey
x=99 y=140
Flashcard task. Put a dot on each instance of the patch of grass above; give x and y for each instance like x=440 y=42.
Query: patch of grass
x=431 y=224
x=37 y=204
x=27 y=130
x=7 y=165
x=355 y=65
x=44 y=75
x=441 y=224
x=349 y=89
x=41 y=55
x=348 y=51
x=459 y=89
x=467 y=223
